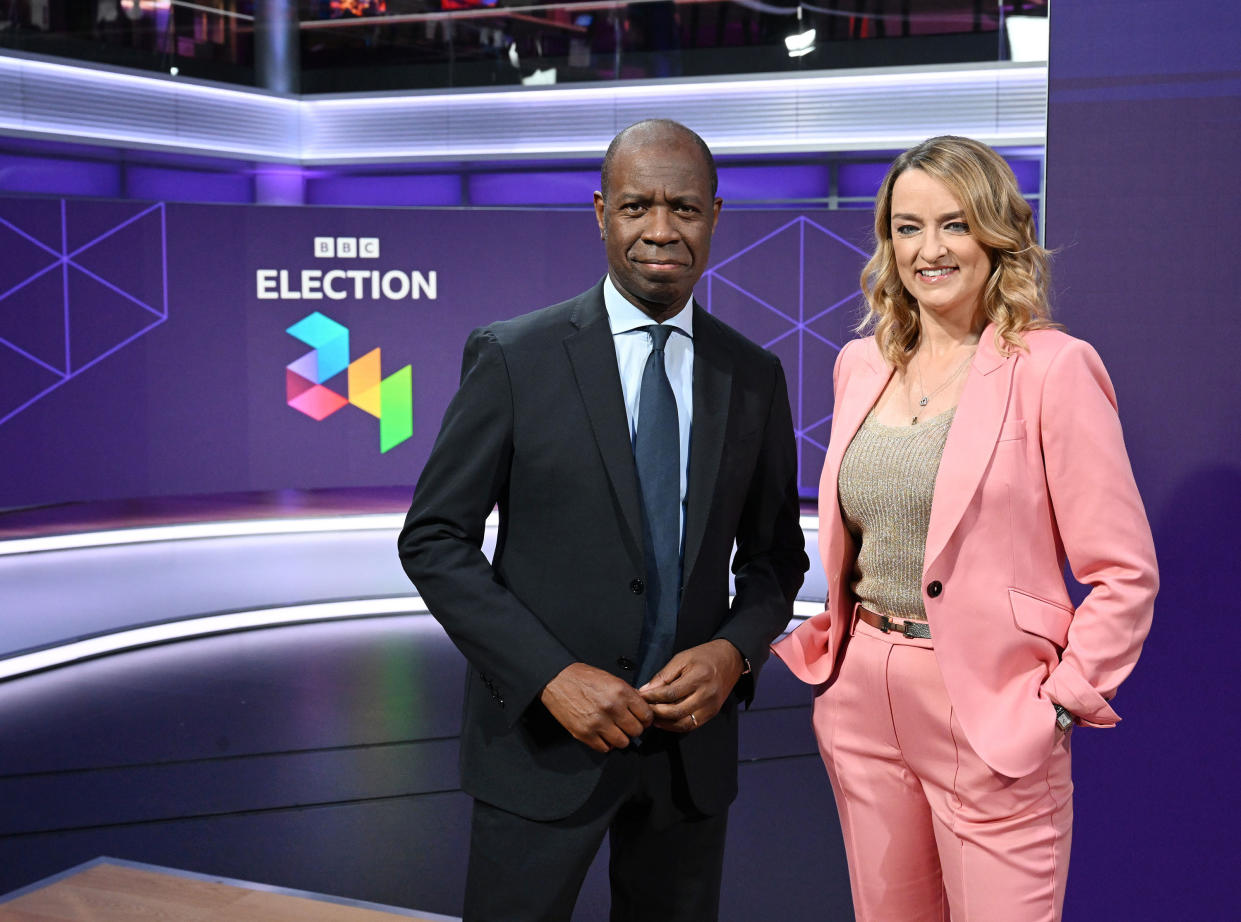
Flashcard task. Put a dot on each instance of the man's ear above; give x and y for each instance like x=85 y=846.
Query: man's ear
x=600 y=209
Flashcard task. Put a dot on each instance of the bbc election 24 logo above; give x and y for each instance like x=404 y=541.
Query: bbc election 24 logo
x=390 y=399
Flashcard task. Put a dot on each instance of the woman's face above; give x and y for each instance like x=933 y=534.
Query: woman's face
x=940 y=262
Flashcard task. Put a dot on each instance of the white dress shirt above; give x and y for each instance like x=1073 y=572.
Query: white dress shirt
x=633 y=346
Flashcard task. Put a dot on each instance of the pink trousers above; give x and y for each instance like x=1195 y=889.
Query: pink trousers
x=931 y=832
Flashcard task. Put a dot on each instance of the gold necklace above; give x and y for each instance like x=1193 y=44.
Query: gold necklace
x=926 y=398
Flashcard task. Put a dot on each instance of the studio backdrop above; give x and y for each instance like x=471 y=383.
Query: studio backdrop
x=161 y=349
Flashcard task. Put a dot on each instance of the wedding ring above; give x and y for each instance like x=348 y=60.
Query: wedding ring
x=694 y=719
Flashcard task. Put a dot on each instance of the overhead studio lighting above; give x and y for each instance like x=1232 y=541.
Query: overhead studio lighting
x=800 y=42
x=1028 y=37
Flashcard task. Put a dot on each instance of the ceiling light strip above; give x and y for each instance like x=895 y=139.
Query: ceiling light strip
x=872 y=109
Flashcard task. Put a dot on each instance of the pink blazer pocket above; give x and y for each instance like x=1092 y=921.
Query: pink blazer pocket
x=1039 y=617
x=1013 y=429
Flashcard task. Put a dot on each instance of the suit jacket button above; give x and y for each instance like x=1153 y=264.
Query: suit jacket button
x=627 y=664
x=637 y=587
x=934 y=588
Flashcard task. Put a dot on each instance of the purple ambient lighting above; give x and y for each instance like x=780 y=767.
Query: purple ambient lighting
x=60 y=176
x=769 y=183
x=548 y=188
x=380 y=190
x=161 y=184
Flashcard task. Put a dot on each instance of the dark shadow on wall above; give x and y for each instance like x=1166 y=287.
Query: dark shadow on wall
x=1167 y=774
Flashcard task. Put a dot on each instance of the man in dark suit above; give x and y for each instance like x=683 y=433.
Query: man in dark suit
x=629 y=442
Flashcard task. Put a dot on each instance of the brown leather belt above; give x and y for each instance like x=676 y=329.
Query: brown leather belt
x=913 y=629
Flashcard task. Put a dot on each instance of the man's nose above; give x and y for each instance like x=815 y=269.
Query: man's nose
x=660 y=228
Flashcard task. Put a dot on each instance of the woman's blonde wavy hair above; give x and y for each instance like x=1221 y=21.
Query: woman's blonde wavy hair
x=1015 y=296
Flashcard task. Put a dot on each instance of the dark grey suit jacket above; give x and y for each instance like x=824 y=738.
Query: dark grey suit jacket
x=539 y=428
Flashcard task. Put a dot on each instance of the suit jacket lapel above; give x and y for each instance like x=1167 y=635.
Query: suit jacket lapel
x=858 y=396
x=713 y=380
x=971 y=440
x=593 y=357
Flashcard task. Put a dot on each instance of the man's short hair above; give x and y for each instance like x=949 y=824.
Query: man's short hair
x=658 y=123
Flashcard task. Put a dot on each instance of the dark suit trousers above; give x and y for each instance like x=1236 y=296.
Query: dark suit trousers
x=666 y=858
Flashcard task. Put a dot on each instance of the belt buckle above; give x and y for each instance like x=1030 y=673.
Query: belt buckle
x=906 y=627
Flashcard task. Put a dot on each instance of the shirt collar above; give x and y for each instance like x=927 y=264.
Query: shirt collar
x=624 y=317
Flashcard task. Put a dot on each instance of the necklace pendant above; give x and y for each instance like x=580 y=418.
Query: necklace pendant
x=914 y=421
x=922 y=403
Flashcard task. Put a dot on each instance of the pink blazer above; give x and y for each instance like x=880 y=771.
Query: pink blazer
x=1034 y=469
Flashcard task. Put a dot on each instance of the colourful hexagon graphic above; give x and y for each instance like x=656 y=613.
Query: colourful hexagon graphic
x=390 y=399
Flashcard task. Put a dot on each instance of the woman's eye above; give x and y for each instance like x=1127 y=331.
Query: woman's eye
x=905 y=230
x=957 y=227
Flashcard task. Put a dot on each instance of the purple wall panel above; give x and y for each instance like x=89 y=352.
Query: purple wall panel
x=1028 y=173
x=161 y=184
x=550 y=187
x=147 y=361
x=59 y=176
x=860 y=180
x=772 y=183
x=435 y=189
x=1144 y=126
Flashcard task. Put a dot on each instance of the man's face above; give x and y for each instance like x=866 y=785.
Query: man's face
x=657 y=220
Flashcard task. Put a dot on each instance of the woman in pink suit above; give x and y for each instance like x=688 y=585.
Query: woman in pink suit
x=974 y=447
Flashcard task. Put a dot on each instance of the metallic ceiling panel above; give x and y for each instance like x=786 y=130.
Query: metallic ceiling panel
x=1003 y=104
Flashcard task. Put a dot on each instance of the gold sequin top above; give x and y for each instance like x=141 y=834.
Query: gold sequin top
x=887 y=481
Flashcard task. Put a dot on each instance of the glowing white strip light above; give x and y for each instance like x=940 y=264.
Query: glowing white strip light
x=886 y=78
x=869 y=109
x=873 y=109
x=191 y=531
x=187 y=629
x=192 y=628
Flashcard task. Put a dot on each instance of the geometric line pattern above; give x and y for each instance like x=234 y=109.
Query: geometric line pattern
x=72 y=270
x=791 y=290
x=388 y=399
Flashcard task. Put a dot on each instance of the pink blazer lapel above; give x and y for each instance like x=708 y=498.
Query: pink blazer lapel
x=971 y=440
x=858 y=395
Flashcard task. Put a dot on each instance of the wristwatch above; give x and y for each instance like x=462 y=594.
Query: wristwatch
x=1064 y=717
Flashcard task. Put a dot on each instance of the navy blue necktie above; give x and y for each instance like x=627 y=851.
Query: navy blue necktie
x=657 y=454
